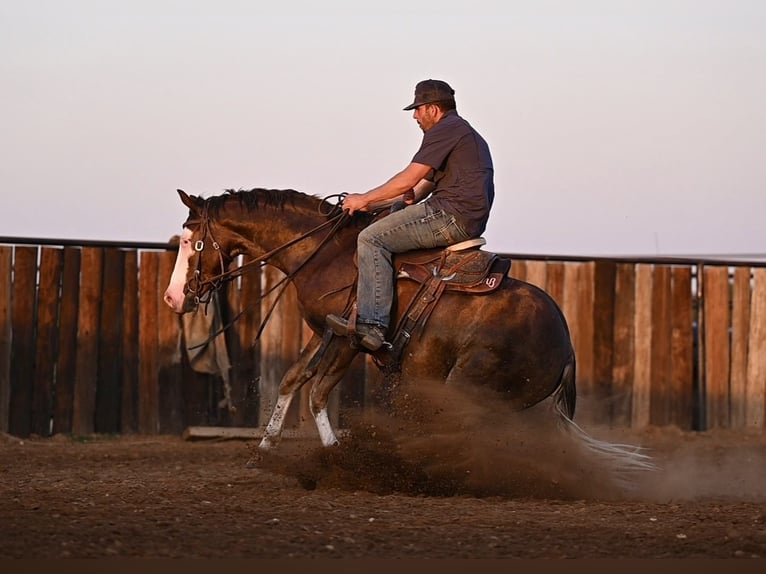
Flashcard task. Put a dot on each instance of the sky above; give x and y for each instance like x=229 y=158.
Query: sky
x=617 y=127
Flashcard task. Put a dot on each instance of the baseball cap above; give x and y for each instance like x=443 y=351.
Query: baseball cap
x=430 y=91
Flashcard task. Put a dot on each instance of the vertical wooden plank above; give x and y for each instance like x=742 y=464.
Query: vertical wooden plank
x=660 y=405
x=305 y=418
x=22 y=345
x=6 y=264
x=756 y=357
x=740 y=328
x=518 y=269
x=682 y=348
x=554 y=284
x=232 y=314
x=623 y=352
x=537 y=273
x=604 y=276
x=246 y=369
x=109 y=390
x=290 y=344
x=148 y=352
x=171 y=407
x=66 y=368
x=280 y=344
x=578 y=310
x=86 y=370
x=642 y=366
x=51 y=262
x=129 y=373
x=716 y=308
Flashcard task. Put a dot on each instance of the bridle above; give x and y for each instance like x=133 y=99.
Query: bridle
x=203 y=288
x=196 y=285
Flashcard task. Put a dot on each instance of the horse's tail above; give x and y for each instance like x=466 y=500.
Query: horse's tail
x=624 y=460
x=566 y=393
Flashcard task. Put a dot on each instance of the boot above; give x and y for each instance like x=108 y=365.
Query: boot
x=372 y=337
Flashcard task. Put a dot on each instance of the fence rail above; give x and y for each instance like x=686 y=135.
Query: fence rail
x=88 y=346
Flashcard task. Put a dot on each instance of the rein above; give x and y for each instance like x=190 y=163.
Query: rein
x=217 y=281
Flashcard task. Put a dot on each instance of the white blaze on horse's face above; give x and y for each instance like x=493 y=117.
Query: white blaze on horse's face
x=174 y=294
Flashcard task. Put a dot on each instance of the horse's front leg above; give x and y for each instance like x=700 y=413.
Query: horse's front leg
x=295 y=377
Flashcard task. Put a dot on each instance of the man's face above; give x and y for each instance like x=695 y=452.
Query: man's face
x=426 y=116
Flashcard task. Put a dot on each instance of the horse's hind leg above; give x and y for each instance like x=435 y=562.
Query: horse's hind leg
x=295 y=377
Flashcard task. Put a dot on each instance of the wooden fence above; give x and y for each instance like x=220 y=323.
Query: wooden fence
x=88 y=346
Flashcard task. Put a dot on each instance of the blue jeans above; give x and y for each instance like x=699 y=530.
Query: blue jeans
x=417 y=226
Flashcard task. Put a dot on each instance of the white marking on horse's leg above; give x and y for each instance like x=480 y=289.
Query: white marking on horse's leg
x=273 y=431
x=326 y=434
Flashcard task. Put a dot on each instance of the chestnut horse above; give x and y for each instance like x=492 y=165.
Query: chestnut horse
x=513 y=341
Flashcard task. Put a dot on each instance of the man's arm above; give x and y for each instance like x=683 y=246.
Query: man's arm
x=413 y=195
x=383 y=195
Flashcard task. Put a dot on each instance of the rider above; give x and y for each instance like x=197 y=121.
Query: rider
x=453 y=167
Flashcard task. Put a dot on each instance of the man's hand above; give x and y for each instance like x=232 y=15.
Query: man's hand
x=355 y=202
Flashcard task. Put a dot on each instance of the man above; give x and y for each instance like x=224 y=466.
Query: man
x=453 y=167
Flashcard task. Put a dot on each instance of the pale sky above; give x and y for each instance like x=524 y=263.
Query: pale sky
x=617 y=127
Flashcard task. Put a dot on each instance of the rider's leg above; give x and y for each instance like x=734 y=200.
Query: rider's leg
x=417 y=226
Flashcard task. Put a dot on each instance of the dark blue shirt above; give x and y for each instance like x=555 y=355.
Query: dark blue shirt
x=462 y=171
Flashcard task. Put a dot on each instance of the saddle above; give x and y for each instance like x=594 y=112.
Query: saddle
x=460 y=268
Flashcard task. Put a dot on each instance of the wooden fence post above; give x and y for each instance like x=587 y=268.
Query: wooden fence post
x=740 y=327
x=148 y=337
x=246 y=370
x=86 y=370
x=51 y=262
x=6 y=258
x=280 y=344
x=554 y=282
x=716 y=309
x=169 y=363
x=578 y=310
x=130 y=345
x=23 y=344
x=66 y=369
x=518 y=269
x=642 y=360
x=108 y=391
x=682 y=349
x=756 y=356
x=660 y=373
x=603 y=312
x=623 y=350
x=536 y=273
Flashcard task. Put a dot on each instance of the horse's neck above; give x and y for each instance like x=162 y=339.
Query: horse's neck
x=288 y=239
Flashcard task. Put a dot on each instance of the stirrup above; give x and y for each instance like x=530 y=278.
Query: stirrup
x=338 y=325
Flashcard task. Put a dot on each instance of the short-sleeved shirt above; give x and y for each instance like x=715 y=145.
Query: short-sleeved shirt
x=462 y=171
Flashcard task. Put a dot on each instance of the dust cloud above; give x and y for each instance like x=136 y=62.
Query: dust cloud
x=436 y=440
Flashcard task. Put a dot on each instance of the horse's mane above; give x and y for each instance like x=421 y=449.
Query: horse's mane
x=257 y=198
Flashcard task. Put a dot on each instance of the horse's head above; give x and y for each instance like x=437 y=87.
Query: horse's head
x=201 y=262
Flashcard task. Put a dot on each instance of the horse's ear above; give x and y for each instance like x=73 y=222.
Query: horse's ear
x=189 y=201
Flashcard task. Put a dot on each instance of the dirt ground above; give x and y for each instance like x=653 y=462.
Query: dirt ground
x=418 y=486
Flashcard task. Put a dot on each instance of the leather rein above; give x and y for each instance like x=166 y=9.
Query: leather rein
x=197 y=284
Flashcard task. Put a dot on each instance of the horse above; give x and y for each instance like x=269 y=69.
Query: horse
x=513 y=341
